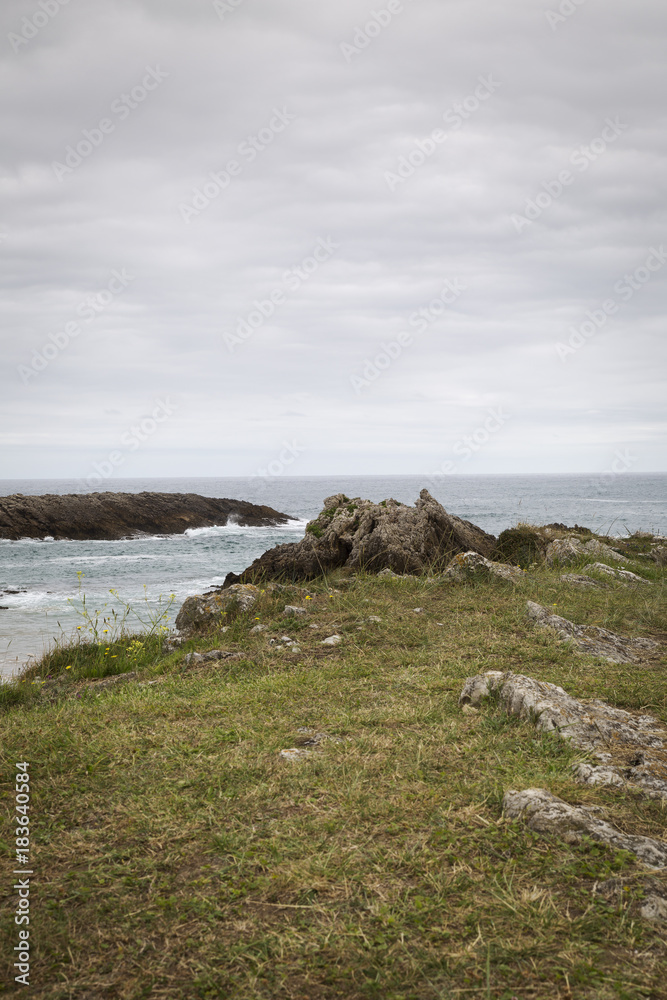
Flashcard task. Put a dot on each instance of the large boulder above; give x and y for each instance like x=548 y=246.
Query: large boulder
x=360 y=534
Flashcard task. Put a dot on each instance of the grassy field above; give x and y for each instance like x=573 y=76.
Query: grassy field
x=176 y=854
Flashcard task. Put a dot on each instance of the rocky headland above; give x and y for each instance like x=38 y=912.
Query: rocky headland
x=123 y=515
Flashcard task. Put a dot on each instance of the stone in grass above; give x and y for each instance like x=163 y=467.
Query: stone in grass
x=331 y=640
x=294 y=609
x=259 y=628
x=638 y=741
x=579 y=580
x=563 y=551
x=545 y=813
x=589 y=638
x=619 y=574
x=468 y=565
x=203 y=612
x=113 y=681
x=296 y=753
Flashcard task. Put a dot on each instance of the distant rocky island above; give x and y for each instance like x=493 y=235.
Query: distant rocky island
x=124 y=515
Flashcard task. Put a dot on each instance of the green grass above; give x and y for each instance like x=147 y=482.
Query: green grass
x=177 y=855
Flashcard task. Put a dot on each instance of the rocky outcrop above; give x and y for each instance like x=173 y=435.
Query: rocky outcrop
x=590 y=638
x=547 y=814
x=470 y=565
x=122 y=515
x=360 y=534
x=204 y=612
x=632 y=748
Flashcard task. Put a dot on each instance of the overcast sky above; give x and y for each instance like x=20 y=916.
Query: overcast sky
x=219 y=223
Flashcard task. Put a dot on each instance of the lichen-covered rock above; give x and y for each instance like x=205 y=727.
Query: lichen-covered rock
x=545 y=813
x=618 y=574
x=469 y=565
x=590 y=638
x=204 y=612
x=632 y=748
x=578 y=580
x=360 y=534
x=565 y=551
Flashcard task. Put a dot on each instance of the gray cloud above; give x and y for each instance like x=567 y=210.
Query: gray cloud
x=218 y=82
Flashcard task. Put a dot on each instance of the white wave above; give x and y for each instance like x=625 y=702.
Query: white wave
x=239 y=529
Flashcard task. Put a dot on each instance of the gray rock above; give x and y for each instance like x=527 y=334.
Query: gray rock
x=331 y=640
x=360 y=534
x=564 y=551
x=578 y=580
x=192 y=660
x=468 y=565
x=202 y=613
x=639 y=741
x=659 y=554
x=618 y=574
x=590 y=639
x=113 y=681
x=259 y=628
x=293 y=609
x=654 y=908
x=221 y=654
x=547 y=814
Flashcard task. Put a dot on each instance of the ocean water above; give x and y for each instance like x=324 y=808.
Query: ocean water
x=49 y=576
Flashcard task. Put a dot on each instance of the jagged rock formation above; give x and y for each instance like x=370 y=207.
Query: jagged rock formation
x=121 y=515
x=360 y=534
x=632 y=748
x=546 y=813
x=590 y=638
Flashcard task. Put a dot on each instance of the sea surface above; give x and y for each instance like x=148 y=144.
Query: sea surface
x=50 y=577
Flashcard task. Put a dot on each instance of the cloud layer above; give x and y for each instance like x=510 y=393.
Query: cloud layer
x=358 y=229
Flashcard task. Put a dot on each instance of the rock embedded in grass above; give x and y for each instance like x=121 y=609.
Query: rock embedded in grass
x=204 y=612
x=545 y=813
x=563 y=551
x=590 y=639
x=631 y=747
x=618 y=574
x=469 y=565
